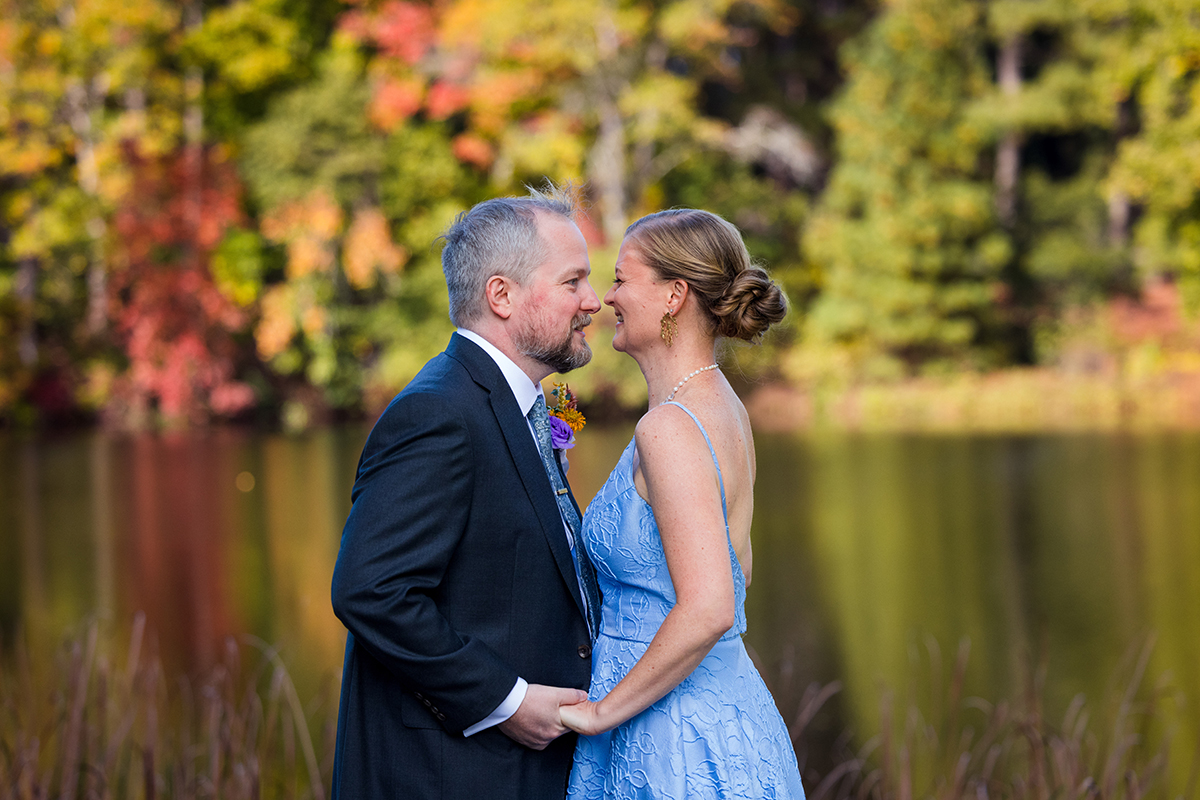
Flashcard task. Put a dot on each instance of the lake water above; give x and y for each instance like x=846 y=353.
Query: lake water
x=875 y=556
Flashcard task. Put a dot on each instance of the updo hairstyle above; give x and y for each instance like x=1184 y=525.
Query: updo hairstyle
x=698 y=247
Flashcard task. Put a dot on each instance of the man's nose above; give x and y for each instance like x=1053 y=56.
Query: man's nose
x=591 y=302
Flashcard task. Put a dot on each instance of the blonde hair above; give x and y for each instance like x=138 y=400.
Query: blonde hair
x=703 y=250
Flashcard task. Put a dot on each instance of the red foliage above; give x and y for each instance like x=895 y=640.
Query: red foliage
x=1156 y=316
x=446 y=99
x=175 y=327
x=394 y=102
x=471 y=149
x=400 y=30
x=404 y=30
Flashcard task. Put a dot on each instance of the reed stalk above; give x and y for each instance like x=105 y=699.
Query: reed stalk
x=968 y=747
x=78 y=728
x=82 y=726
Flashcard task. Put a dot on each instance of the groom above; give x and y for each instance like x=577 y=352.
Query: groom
x=458 y=579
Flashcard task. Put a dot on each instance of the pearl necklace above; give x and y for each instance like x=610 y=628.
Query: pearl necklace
x=690 y=375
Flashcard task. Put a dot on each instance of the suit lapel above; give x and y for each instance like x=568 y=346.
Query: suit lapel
x=524 y=452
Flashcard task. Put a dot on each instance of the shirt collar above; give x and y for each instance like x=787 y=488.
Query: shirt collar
x=524 y=390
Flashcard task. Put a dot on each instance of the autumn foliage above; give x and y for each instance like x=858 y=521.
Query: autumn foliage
x=208 y=210
x=178 y=333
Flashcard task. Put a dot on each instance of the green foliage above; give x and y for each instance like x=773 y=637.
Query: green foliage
x=1069 y=253
x=238 y=266
x=316 y=137
x=1158 y=167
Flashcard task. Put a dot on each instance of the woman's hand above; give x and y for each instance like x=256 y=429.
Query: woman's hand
x=583 y=718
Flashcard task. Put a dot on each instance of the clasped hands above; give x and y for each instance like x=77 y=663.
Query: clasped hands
x=548 y=712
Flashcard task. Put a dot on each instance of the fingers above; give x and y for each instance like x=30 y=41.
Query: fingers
x=569 y=697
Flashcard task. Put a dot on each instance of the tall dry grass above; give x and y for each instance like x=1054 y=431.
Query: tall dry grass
x=967 y=747
x=90 y=726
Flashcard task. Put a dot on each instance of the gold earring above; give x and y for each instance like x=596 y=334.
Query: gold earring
x=668 y=327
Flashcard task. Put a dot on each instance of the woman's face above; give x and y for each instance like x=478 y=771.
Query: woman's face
x=639 y=298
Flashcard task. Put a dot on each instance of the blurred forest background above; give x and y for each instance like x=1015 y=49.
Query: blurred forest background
x=985 y=212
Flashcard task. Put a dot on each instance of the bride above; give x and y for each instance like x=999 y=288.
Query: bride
x=676 y=708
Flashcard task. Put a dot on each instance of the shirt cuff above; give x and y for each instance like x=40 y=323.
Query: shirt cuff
x=504 y=710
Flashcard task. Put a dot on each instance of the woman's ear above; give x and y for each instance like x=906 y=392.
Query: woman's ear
x=498 y=293
x=679 y=293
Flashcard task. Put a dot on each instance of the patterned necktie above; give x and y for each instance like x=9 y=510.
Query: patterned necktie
x=584 y=571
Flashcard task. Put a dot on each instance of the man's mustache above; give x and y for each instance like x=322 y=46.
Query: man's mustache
x=581 y=322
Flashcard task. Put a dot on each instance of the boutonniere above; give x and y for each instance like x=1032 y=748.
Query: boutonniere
x=565 y=418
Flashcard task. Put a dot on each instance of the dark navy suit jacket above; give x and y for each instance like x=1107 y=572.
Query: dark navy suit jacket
x=454 y=577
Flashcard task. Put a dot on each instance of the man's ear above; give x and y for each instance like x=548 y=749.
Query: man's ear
x=498 y=293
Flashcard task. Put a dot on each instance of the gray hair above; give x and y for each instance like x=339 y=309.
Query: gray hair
x=497 y=237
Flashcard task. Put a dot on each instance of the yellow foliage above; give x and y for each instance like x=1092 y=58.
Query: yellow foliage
x=306 y=255
x=278 y=323
x=313 y=320
x=49 y=43
x=693 y=26
x=368 y=249
x=308 y=228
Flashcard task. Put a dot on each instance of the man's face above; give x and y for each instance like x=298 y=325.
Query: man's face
x=556 y=302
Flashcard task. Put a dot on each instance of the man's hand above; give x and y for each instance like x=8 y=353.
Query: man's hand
x=536 y=723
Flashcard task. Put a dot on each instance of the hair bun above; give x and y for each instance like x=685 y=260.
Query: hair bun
x=738 y=299
x=752 y=304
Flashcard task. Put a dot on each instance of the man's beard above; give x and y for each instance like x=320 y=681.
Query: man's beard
x=562 y=355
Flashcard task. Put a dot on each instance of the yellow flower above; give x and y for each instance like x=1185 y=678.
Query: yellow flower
x=566 y=408
x=573 y=418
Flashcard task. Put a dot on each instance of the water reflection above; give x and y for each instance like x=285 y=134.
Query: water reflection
x=1062 y=551
x=93 y=526
x=869 y=551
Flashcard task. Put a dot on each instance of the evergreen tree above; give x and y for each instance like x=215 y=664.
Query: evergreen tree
x=1053 y=121
x=1157 y=167
x=906 y=236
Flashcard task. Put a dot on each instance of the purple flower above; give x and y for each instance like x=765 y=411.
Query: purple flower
x=561 y=435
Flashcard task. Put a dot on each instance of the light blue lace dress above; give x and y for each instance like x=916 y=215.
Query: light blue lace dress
x=717 y=734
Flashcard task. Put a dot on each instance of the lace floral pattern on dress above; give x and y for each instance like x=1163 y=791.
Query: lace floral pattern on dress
x=717 y=734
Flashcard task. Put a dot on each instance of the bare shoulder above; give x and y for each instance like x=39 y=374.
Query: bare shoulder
x=667 y=426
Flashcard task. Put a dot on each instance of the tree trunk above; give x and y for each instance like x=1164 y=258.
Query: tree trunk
x=81 y=102
x=1118 y=219
x=606 y=162
x=1008 y=154
x=26 y=293
x=135 y=110
x=1118 y=204
x=647 y=164
x=193 y=131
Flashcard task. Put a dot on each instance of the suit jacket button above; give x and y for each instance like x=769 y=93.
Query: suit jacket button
x=441 y=717
x=584 y=651
x=427 y=702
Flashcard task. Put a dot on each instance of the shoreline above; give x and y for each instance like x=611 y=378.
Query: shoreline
x=1031 y=400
